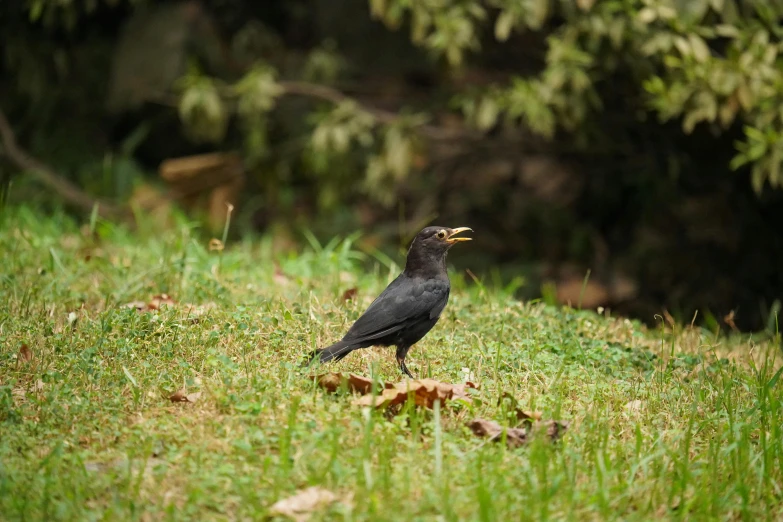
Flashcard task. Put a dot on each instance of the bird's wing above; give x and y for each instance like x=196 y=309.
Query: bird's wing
x=403 y=300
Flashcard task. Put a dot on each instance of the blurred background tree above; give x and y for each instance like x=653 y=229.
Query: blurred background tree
x=641 y=140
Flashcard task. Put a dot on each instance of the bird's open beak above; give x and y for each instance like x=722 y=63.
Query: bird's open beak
x=454 y=231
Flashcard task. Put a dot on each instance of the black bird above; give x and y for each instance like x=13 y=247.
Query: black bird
x=410 y=306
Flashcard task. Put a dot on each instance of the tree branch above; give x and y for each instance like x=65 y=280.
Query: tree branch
x=323 y=92
x=46 y=174
x=332 y=95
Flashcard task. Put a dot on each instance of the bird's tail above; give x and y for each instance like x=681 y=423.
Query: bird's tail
x=334 y=352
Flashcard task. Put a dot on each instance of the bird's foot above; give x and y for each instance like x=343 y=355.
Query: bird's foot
x=404 y=369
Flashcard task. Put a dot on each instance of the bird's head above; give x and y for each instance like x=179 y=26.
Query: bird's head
x=432 y=243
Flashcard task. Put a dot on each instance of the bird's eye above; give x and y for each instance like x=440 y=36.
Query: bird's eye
x=441 y=234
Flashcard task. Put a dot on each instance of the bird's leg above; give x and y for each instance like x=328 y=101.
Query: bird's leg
x=402 y=351
x=404 y=369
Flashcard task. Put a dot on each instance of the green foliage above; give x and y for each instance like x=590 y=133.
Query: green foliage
x=324 y=64
x=704 y=63
x=256 y=93
x=394 y=161
x=700 y=61
x=201 y=108
x=206 y=106
x=446 y=28
x=345 y=125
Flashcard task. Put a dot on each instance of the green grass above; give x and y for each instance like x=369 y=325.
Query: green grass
x=671 y=423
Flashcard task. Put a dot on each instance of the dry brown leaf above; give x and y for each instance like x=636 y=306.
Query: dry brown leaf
x=179 y=396
x=280 y=277
x=160 y=300
x=194 y=312
x=140 y=306
x=304 y=502
x=183 y=396
x=516 y=437
x=574 y=291
x=425 y=393
x=25 y=353
x=729 y=320
x=39 y=385
x=349 y=294
x=523 y=416
x=554 y=428
x=356 y=383
x=347 y=277
x=90 y=233
x=635 y=405
x=89 y=252
x=528 y=416
x=117 y=261
x=215 y=244
x=18 y=394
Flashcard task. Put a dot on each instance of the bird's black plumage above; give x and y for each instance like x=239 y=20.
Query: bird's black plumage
x=410 y=306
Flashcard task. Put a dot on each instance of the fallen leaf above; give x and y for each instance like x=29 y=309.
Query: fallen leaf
x=635 y=405
x=215 y=244
x=179 y=396
x=140 y=306
x=90 y=233
x=39 y=385
x=523 y=416
x=347 y=277
x=526 y=418
x=156 y=303
x=469 y=375
x=356 y=383
x=160 y=300
x=117 y=261
x=574 y=291
x=18 y=394
x=280 y=277
x=25 y=353
x=304 y=502
x=183 y=396
x=425 y=393
x=72 y=318
x=729 y=320
x=88 y=253
x=554 y=428
x=516 y=437
x=194 y=312
x=349 y=294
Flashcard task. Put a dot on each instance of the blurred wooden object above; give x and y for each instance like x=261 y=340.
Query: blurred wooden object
x=208 y=182
x=598 y=291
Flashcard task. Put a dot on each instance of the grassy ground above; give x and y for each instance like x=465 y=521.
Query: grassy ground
x=673 y=424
